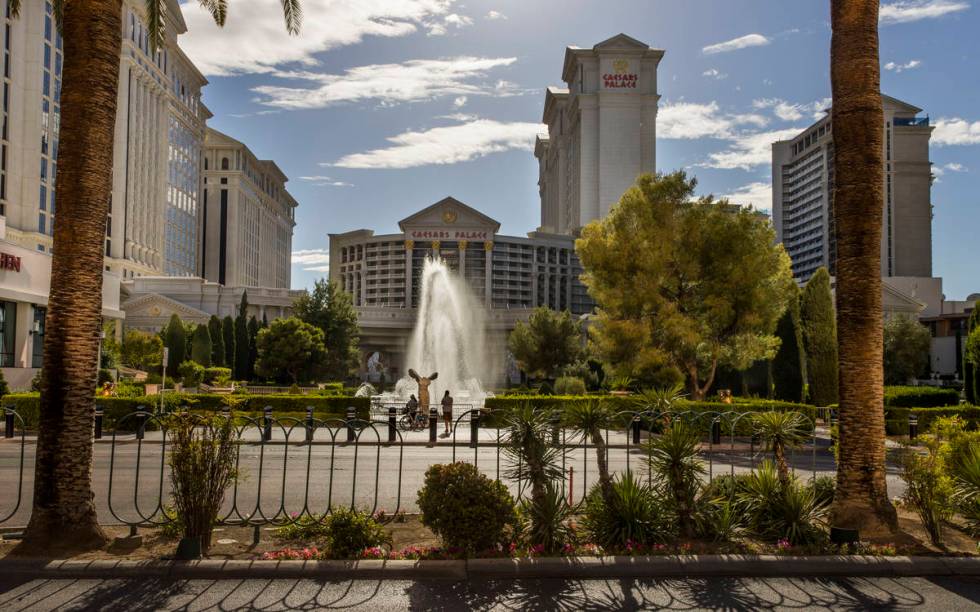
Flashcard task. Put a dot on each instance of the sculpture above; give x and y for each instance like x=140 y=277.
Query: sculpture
x=423 y=382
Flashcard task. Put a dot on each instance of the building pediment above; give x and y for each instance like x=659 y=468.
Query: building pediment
x=621 y=42
x=449 y=219
x=156 y=306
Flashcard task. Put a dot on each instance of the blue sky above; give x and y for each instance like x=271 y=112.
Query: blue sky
x=381 y=107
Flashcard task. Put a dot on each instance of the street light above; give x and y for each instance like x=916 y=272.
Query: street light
x=163 y=383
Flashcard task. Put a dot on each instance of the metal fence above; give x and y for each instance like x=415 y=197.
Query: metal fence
x=292 y=469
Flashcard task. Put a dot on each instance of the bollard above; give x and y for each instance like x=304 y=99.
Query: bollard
x=392 y=424
x=716 y=432
x=267 y=424
x=8 y=420
x=635 y=428
x=475 y=429
x=140 y=422
x=309 y=423
x=913 y=427
x=555 y=423
x=98 y=422
x=433 y=425
x=351 y=415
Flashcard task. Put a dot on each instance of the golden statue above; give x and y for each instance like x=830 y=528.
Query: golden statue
x=423 y=382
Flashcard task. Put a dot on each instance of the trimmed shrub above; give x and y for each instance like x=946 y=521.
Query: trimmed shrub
x=920 y=397
x=201 y=345
x=191 y=373
x=175 y=339
x=350 y=531
x=897 y=419
x=217 y=376
x=819 y=325
x=465 y=508
x=570 y=385
x=789 y=364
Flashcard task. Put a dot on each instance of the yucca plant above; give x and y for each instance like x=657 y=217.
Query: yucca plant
x=673 y=457
x=545 y=519
x=662 y=400
x=777 y=509
x=721 y=519
x=966 y=482
x=632 y=513
x=780 y=431
x=589 y=419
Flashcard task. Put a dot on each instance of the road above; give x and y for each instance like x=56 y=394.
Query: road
x=572 y=595
x=273 y=478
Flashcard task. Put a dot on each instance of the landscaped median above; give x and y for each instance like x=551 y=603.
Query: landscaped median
x=525 y=568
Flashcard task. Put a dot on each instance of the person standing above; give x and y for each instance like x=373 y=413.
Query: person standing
x=447 y=411
x=412 y=410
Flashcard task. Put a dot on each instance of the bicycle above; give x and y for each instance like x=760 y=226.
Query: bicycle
x=407 y=423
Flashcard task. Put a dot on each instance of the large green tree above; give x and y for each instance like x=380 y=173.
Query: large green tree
x=290 y=350
x=63 y=509
x=971 y=364
x=548 y=342
x=789 y=365
x=141 y=350
x=331 y=309
x=906 y=350
x=217 y=341
x=241 y=339
x=691 y=282
x=973 y=357
x=201 y=346
x=228 y=337
x=175 y=339
x=820 y=338
x=253 y=351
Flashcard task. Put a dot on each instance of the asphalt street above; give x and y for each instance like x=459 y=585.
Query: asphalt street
x=435 y=595
x=283 y=479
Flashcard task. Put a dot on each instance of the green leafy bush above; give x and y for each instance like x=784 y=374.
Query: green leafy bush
x=634 y=514
x=920 y=397
x=928 y=486
x=464 y=508
x=350 y=531
x=304 y=529
x=824 y=488
x=191 y=373
x=897 y=419
x=217 y=376
x=569 y=385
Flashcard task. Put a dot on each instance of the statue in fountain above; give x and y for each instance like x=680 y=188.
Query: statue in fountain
x=423 y=382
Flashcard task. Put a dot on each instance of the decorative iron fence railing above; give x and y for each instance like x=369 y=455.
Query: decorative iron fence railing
x=291 y=469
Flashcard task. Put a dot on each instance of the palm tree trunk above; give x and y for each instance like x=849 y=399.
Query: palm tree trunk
x=861 y=500
x=602 y=462
x=64 y=511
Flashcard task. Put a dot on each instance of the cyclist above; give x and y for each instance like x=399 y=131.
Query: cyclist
x=412 y=410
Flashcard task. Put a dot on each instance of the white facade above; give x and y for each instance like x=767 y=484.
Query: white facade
x=802 y=188
x=601 y=131
x=247 y=217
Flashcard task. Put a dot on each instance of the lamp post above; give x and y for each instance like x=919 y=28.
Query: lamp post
x=163 y=381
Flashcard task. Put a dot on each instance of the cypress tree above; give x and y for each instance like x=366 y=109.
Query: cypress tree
x=201 y=346
x=175 y=339
x=819 y=323
x=4 y=387
x=228 y=335
x=971 y=370
x=789 y=364
x=253 y=352
x=241 y=339
x=217 y=342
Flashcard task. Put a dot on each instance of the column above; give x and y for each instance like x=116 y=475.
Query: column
x=488 y=267
x=409 y=246
x=23 y=334
x=462 y=258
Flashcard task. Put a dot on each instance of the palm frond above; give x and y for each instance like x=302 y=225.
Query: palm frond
x=293 y=13
x=154 y=23
x=13 y=7
x=217 y=8
x=58 y=7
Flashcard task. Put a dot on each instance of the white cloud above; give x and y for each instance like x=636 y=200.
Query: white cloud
x=749 y=150
x=758 y=195
x=410 y=81
x=494 y=15
x=312 y=260
x=788 y=111
x=459 y=102
x=749 y=40
x=689 y=120
x=453 y=20
x=325 y=181
x=254 y=38
x=714 y=74
x=905 y=11
x=956 y=131
x=902 y=67
x=447 y=145
x=955 y=167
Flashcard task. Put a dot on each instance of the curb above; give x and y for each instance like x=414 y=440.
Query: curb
x=542 y=568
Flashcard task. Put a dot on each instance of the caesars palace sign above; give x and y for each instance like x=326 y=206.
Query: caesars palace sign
x=620 y=76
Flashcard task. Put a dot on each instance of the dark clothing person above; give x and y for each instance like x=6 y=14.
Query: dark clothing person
x=412 y=407
x=447 y=410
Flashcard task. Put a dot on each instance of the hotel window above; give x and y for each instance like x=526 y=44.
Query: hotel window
x=37 y=337
x=8 y=327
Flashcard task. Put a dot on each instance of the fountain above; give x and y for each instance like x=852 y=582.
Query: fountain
x=449 y=338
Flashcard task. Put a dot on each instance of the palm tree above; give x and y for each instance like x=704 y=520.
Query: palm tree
x=63 y=510
x=673 y=456
x=779 y=431
x=861 y=500
x=588 y=419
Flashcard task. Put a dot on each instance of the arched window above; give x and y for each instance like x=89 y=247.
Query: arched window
x=224 y=163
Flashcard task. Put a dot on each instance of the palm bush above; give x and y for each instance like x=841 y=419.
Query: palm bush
x=631 y=513
x=662 y=399
x=589 y=419
x=673 y=457
x=778 y=510
x=966 y=482
x=780 y=431
x=543 y=522
x=721 y=519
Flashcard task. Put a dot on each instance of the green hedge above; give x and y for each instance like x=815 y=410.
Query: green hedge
x=920 y=397
x=897 y=419
x=27 y=405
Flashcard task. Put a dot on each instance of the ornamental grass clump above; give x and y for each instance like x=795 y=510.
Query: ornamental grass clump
x=782 y=510
x=673 y=458
x=202 y=467
x=466 y=509
x=632 y=513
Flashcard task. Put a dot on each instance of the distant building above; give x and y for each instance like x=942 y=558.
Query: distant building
x=247 y=217
x=510 y=275
x=602 y=131
x=802 y=195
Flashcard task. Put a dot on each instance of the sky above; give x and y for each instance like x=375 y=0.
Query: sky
x=379 y=108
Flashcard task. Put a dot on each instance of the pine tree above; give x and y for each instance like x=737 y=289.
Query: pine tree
x=819 y=323
x=175 y=339
x=228 y=335
x=217 y=342
x=241 y=339
x=201 y=346
x=789 y=364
